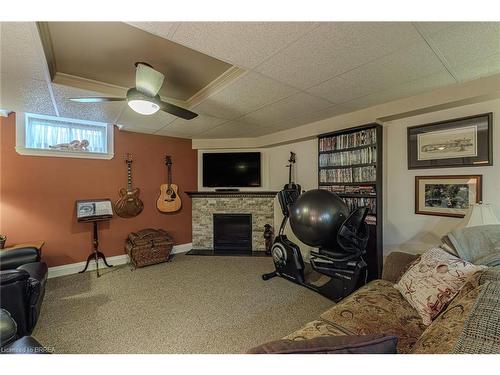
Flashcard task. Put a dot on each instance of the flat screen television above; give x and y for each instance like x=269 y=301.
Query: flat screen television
x=231 y=169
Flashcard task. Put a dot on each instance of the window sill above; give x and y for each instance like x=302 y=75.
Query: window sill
x=63 y=154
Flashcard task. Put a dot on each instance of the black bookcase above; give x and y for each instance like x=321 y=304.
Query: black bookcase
x=350 y=165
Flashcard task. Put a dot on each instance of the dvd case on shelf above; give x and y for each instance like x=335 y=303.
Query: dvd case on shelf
x=345 y=158
x=349 y=140
x=347 y=189
x=355 y=174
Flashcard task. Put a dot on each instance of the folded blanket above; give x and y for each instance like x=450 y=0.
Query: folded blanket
x=481 y=332
x=478 y=245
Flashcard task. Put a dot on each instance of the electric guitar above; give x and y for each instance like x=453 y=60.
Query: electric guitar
x=291 y=185
x=169 y=200
x=129 y=204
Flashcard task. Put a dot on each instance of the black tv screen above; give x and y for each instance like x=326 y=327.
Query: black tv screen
x=231 y=169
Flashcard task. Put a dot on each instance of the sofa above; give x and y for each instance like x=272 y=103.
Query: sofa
x=379 y=308
x=22 y=286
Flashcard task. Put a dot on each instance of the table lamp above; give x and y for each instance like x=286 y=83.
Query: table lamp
x=480 y=214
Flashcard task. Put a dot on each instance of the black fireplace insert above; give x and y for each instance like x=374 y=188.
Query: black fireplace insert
x=232 y=233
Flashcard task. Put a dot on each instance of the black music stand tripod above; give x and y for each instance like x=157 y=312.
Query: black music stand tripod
x=96 y=254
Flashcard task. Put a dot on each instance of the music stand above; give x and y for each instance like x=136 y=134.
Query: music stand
x=94 y=211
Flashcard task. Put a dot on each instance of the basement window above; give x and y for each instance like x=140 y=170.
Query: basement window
x=41 y=135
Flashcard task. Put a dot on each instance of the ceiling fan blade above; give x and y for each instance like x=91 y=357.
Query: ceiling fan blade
x=147 y=80
x=177 y=111
x=97 y=100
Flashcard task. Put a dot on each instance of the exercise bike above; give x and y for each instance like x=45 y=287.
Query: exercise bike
x=286 y=254
x=334 y=272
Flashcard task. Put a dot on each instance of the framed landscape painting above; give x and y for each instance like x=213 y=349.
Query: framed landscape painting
x=462 y=142
x=446 y=195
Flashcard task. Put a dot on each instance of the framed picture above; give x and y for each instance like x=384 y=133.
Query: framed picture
x=446 y=195
x=462 y=142
x=93 y=209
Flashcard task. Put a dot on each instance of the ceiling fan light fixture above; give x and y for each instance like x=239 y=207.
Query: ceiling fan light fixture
x=143 y=104
x=144 y=107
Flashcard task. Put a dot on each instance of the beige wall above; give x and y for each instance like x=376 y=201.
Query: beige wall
x=403 y=229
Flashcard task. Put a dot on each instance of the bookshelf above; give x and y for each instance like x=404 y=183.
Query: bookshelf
x=350 y=165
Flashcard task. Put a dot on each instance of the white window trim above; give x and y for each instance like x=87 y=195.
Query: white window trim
x=21 y=140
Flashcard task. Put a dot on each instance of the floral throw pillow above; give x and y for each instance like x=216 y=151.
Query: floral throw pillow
x=432 y=282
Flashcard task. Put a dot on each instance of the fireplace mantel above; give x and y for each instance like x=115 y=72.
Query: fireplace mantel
x=231 y=194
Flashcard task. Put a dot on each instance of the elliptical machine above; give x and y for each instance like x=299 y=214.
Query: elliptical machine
x=341 y=259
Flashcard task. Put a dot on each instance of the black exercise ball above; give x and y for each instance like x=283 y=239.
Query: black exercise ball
x=316 y=217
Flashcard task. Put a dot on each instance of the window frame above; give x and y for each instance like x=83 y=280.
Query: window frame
x=21 y=149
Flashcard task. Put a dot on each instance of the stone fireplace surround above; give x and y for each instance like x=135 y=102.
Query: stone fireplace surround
x=260 y=204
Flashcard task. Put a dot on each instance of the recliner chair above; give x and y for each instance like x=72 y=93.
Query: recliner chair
x=22 y=286
x=10 y=343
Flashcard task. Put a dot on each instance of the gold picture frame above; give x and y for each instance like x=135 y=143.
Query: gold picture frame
x=449 y=196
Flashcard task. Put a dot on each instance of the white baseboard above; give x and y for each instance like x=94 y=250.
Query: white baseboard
x=70 y=269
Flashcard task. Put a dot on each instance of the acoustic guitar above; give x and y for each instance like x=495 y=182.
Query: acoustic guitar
x=129 y=203
x=169 y=200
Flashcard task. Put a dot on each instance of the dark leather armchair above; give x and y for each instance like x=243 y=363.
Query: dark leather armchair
x=10 y=344
x=22 y=286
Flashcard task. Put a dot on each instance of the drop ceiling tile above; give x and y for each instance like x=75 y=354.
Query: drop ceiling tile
x=308 y=118
x=230 y=129
x=241 y=43
x=244 y=95
x=25 y=95
x=405 y=90
x=335 y=48
x=408 y=64
x=193 y=127
x=479 y=68
x=166 y=132
x=163 y=29
x=132 y=120
x=468 y=41
x=19 y=52
x=288 y=108
x=102 y=112
x=433 y=27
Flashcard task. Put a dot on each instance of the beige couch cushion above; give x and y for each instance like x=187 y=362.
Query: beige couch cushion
x=316 y=328
x=442 y=335
x=377 y=307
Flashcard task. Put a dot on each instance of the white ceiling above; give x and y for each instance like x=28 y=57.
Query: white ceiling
x=298 y=72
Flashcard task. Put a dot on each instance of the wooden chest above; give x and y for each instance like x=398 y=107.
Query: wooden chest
x=148 y=246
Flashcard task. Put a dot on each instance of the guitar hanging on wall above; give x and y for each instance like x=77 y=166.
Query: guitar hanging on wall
x=169 y=200
x=129 y=203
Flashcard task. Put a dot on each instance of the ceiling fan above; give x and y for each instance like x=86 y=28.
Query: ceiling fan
x=144 y=98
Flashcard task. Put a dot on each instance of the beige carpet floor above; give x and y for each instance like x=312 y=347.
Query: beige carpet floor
x=194 y=304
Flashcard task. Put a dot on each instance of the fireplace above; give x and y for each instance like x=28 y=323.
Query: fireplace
x=232 y=233
x=258 y=205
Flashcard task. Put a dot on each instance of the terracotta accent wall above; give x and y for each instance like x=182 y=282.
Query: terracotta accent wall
x=38 y=194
